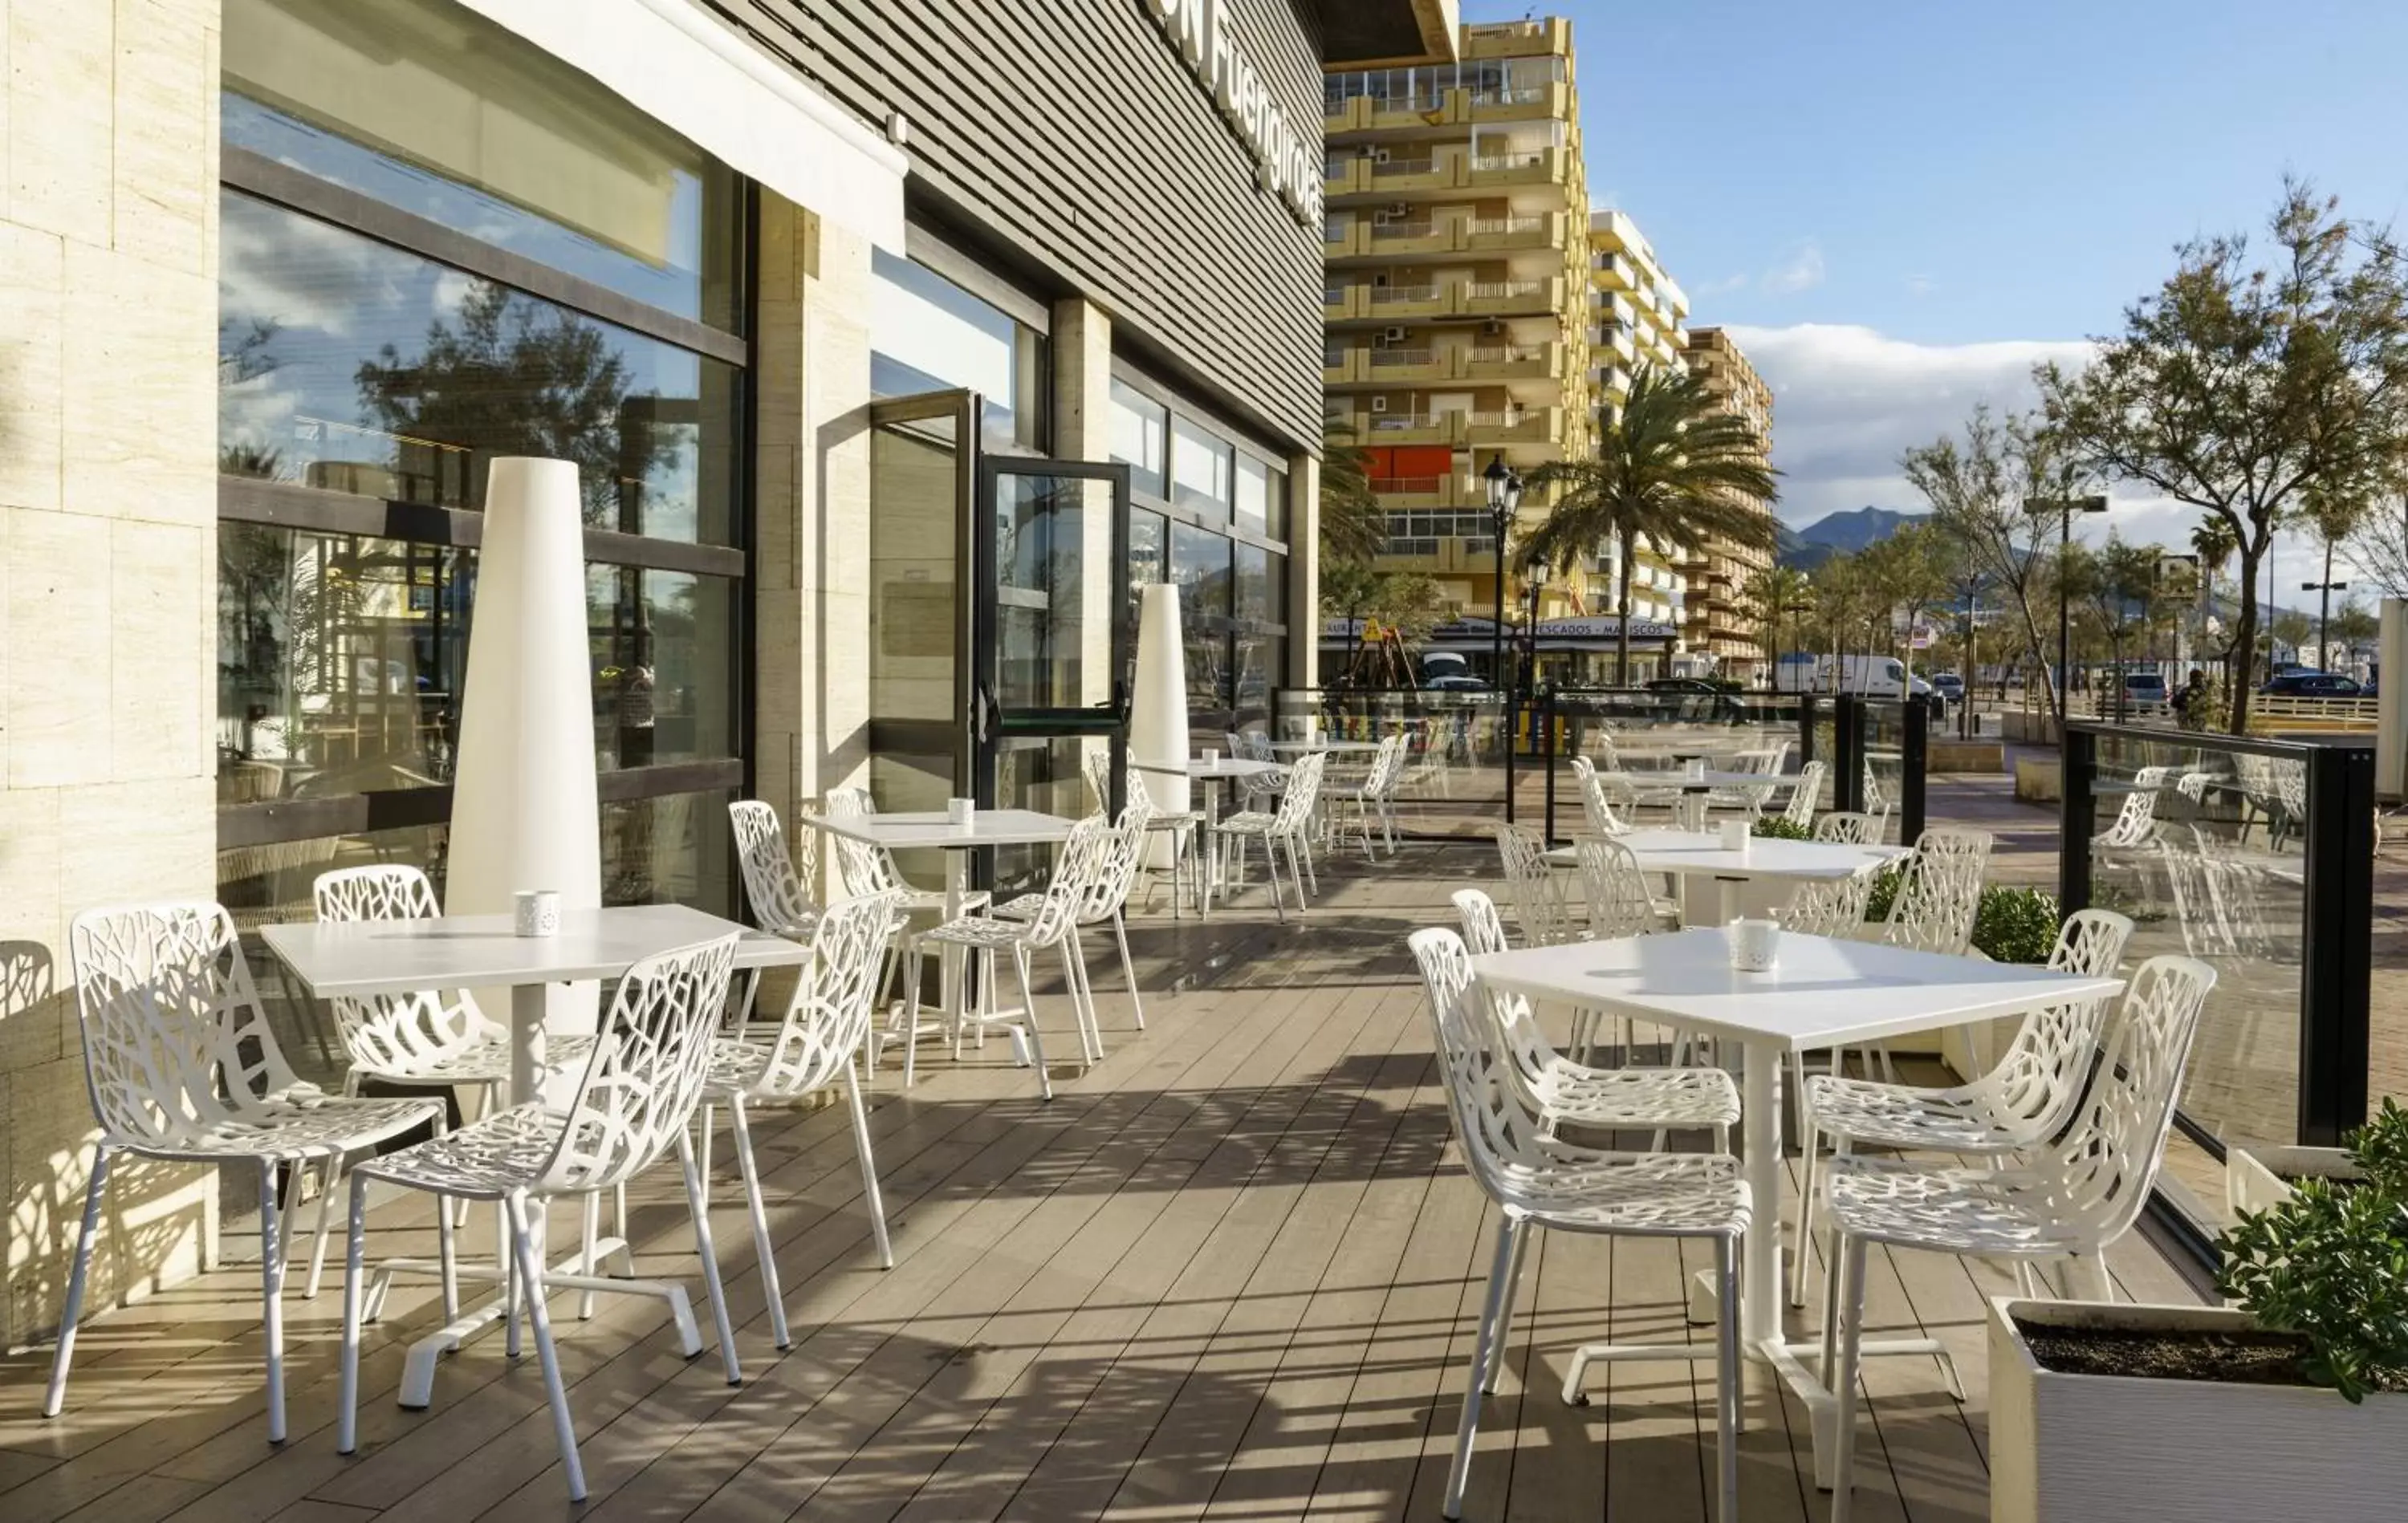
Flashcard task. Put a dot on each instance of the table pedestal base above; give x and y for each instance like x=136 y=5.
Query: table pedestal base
x=1799 y=1364
x=574 y=1272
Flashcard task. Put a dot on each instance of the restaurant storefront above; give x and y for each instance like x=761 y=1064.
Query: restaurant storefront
x=895 y=342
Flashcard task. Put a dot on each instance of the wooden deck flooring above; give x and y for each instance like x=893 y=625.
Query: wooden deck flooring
x=1231 y=1273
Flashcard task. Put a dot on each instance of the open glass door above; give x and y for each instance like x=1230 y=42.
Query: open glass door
x=923 y=466
x=1049 y=634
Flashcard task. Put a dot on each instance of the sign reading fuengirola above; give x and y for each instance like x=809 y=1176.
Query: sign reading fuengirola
x=1205 y=33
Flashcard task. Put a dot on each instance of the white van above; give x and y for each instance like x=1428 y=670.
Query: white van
x=1869 y=676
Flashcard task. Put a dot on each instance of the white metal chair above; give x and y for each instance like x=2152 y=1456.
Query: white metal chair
x=2019 y=1104
x=1372 y=799
x=180 y=1065
x=633 y=1103
x=776 y=888
x=1599 y=799
x=1651 y=1099
x=1538 y=1180
x=1805 y=795
x=1108 y=889
x=1050 y=926
x=1282 y=830
x=1849 y=827
x=1766 y=762
x=1184 y=826
x=826 y=1027
x=1941 y=892
x=864 y=871
x=2072 y=1197
x=1533 y=888
x=1620 y=904
x=2129 y=841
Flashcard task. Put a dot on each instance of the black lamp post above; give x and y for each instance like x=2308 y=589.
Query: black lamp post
x=1504 y=498
x=1972 y=612
x=2066 y=507
x=1535 y=580
x=2324 y=590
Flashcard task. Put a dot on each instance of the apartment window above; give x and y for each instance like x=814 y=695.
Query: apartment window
x=1139 y=431
x=1202 y=466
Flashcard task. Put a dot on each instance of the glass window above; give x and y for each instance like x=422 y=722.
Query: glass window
x=1200 y=468
x=1139 y=429
x=1276 y=523
x=929 y=334
x=673 y=847
x=349 y=365
x=429 y=107
x=1149 y=560
x=1253 y=585
x=663 y=679
x=1199 y=566
x=1254 y=493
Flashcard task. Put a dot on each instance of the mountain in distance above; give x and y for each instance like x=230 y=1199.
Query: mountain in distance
x=1839 y=533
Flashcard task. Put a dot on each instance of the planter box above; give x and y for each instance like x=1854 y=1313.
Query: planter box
x=2037 y=779
x=2258 y=1175
x=2092 y=1448
x=1966 y=756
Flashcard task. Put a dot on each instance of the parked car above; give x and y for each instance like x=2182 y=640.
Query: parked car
x=2144 y=687
x=2308 y=684
x=1950 y=686
x=1460 y=682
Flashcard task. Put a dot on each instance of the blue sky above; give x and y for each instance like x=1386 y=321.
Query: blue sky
x=1903 y=205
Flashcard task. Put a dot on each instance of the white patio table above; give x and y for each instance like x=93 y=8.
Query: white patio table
x=361 y=958
x=1229 y=770
x=1772 y=860
x=1824 y=993
x=1692 y=787
x=933 y=830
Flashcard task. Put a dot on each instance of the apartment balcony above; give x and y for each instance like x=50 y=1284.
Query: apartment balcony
x=1400 y=493
x=1344 y=174
x=1341 y=302
x=1679 y=337
x=1616 y=274
x=1513 y=362
x=1614 y=382
x=1403 y=173
x=1399 y=366
x=1526 y=426
x=1515 y=166
x=1548 y=101
x=1396 y=428
x=1510 y=298
x=1352 y=240
x=1346 y=367
x=1618 y=341
x=1501 y=235
x=1410 y=237
x=1518 y=39
x=1403 y=304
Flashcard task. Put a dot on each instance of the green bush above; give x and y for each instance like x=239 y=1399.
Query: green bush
x=1782 y=828
x=1884 y=890
x=2016 y=925
x=2331 y=1265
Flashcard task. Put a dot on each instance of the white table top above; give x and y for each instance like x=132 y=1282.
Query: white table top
x=1824 y=993
x=1220 y=766
x=1331 y=745
x=1766 y=856
x=457 y=951
x=1675 y=777
x=910 y=830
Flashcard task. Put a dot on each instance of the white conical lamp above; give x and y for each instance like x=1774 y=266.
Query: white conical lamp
x=1158 y=709
x=524 y=810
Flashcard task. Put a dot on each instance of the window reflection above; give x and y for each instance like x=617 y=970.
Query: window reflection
x=661 y=643
x=1139 y=431
x=349 y=364
x=1199 y=566
x=1201 y=469
x=929 y=335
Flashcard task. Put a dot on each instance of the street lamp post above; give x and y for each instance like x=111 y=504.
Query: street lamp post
x=1504 y=499
x=1972 y=610
x=2324 y=590
x=2065 y=507
x=1536 y=580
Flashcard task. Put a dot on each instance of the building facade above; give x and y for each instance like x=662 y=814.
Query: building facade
x=896 y=342
x=1454 y=299
x=1718 y=623
x=1636 y=314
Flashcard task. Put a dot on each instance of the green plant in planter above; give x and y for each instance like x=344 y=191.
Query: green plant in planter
x=1782 y=828
x=2331 y=1264
x=2016 y=925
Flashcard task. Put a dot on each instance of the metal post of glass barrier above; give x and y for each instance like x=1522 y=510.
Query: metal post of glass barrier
x=1848 y=751
x=2078 y=765
x=2338 y=967
x=1547 y=760
x=1913 y=753
x=1807 y=709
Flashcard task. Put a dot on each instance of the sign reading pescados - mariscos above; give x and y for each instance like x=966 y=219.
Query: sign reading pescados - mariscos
x=1204 y=33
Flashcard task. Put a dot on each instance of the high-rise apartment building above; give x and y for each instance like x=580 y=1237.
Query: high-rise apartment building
x=1456 y=294
x=1636 y=314
x=1716 y=620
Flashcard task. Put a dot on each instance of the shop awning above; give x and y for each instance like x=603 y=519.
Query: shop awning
x=680 y=66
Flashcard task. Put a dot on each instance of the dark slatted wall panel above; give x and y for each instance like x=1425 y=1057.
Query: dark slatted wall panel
x=1071 y=130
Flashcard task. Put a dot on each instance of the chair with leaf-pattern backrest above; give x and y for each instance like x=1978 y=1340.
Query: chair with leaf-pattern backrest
x=1540 y=907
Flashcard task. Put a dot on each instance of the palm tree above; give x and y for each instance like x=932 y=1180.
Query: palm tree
x=1353 y=525
x=1771 y=598
x=2213 y=541
x=1675 y=468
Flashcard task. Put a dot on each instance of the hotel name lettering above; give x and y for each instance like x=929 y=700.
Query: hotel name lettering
x=1205 y=33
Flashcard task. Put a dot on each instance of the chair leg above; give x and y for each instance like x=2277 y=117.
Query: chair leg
x=752 y=1169
x=347 y=1438
x=709 y=1259
x=910 y=1032
x=271 y=1288
x=1804 y=1236
x=333 y=1174
x=1311 y=877
x=1459 y=1471
x=1028 y=1023
x=702 y=1154
x=446 y=1252
x=1128 y=968
x=591 y=1235
x=1849 y=1306
x=869 y=1193
x=530 y=1268
x=56 y=1395
x=1726 y=1378
x=1522 y=1235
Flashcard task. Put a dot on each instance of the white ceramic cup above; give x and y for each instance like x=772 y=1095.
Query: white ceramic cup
x=960 y=811
x=1210 y=757
x=1754 y=944
x=1735 y=832
x=536 y=912
x=1698 y=768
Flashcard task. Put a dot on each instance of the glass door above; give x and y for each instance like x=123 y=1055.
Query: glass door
x=923 y=466
x=1049 y=636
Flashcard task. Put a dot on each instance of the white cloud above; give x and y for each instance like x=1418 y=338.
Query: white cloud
x=1920 y=285
x=1801 y=271
x=1717 y=287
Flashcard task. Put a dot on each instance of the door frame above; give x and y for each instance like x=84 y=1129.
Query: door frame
x=965 y=409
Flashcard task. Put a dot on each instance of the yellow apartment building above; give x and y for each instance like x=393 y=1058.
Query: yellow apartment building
x=1637 y=318
x=1717 y=622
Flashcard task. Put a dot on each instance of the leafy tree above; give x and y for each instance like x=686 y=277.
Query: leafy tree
x=1404 y=601
x=1353 y=525
x=2378 y=546
x=1772 y=599
x=511 y=376
x=1979 y=491
x=2243 y=390
x=2118 y=585
x=1907 y=574
x=1674 y=469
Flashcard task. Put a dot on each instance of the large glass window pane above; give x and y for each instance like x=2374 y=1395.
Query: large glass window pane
x=340 y=662
x=1253 y=586
x=1276 y=523
x=261 y=884
x=929 y=334
x=346 y=363
x=1139 y=429
x=1201 y=469
x=1254 y=493
x=1199 y=566
x=673 y=848
x=427 y=106
x=663 y=676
